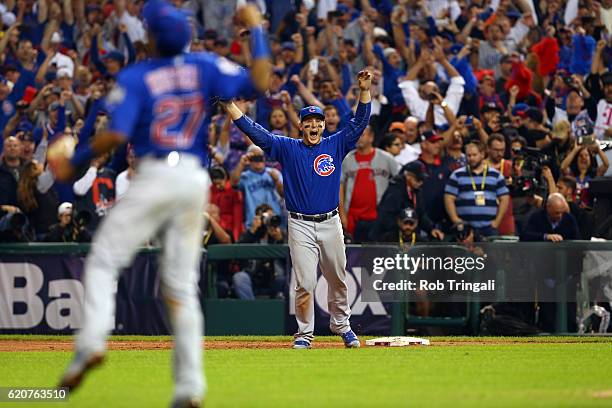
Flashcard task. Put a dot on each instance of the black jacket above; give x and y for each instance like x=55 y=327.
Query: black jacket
x=8 y=186
x=538 y=225
x=393 y=201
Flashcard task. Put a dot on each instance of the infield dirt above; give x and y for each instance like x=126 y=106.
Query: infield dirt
x=67 y=345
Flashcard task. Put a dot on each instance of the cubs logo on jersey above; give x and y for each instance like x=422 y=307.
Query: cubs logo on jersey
x=324 y=165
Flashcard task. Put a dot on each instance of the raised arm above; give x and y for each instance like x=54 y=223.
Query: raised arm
x=260 y=136
x=260 y=67
x=355 y=127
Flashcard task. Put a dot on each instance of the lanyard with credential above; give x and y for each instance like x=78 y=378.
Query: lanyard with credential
x=401 y=238
x=484 y=177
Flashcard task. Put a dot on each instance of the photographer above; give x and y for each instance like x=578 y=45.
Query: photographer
x=14 y=226
x=259 y=184
x=264 y=276
x=67 y=229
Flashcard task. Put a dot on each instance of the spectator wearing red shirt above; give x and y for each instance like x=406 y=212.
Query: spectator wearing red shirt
x=365 y=176
x=228 y=200
x=496 y=146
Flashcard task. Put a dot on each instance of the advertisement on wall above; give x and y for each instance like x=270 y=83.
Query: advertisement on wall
x=43 y=294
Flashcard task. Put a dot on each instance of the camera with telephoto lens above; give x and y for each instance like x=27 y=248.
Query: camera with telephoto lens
x=270 y=220
x=531 y=172
x=82 y=218
x=530 y=181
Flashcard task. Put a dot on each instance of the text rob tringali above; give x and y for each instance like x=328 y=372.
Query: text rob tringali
x=452 y=285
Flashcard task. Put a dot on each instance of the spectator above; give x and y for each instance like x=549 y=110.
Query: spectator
x=262 y=276
x=259 y=184
x=533 y=129
x=229 y=202
x=123 y=179
x=581 y=163
x=10 y=171
x=404 y=191
x=417 y=96
x=410 y=136
x=67 y=229
x=392 y=143
x=36 y=197
x=566 y=186
x=214 y=232
x=365 y=177
x=231 y=142
x=409 y=231
x=603 y=122
x=454 y=157
x=553 y=223
x=437 y=174
x=496 y=150
x=95 y=191
x=472 y=194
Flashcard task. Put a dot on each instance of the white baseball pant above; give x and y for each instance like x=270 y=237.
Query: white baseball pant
x=319 y=243
x=169 y=200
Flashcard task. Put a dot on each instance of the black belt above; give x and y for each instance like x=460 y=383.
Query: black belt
x=314 y=218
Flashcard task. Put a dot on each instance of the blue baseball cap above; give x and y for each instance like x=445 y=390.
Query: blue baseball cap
x=519 y=109
x=311 y=111
x=114 y=55
x=168 y=25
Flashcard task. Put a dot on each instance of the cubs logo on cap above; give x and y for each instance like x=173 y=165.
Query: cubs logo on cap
x=324 y=165
x=311 y=111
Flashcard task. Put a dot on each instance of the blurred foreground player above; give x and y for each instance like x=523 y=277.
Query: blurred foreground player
x=161 y=107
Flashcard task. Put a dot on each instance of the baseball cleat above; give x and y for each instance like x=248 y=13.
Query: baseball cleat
x=350 y=339
x=193 y=402
x=79 y=366
x=301 y=344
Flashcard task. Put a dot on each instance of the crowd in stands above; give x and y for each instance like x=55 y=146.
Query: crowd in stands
x=481 y=110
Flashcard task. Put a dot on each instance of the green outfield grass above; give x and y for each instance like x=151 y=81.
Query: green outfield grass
x=566 y=372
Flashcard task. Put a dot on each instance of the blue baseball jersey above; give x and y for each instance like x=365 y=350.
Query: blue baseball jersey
x=311 y=173
x=162 y=105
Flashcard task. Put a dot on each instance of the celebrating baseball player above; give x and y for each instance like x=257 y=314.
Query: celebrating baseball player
x=161 y=106
x=311 y=170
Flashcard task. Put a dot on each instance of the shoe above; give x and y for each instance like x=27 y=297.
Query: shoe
x=193 y=402
x=80 y=365
x=350 y=339
x=301 y=344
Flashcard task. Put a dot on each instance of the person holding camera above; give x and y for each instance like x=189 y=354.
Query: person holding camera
x=267 y=275
x=581 y=163
x=477 y=194
x=68 y=229
x=417 y=96
x=258 y=183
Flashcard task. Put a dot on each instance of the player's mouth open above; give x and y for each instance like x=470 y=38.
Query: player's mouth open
x=313 y=133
